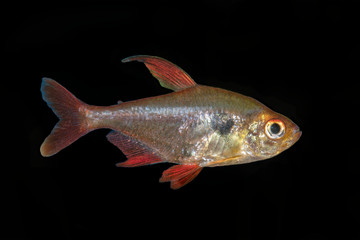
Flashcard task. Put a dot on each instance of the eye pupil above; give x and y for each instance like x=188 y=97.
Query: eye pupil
x=275 y=128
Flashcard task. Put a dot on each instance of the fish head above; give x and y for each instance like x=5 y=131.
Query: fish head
x=270 y=133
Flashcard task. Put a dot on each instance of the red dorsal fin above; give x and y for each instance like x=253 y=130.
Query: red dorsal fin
x=180 y=175
x=169 y=75
x=136 y=152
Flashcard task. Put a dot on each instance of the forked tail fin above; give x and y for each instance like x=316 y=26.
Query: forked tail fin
x=69 y=110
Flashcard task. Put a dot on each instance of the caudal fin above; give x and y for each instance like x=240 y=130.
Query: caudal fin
x=69 y=110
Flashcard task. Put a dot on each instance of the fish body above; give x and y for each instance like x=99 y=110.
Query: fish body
x=195 y=126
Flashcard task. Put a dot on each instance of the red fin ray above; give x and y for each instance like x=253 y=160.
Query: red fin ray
x=138 y=161
x=137 y=153
x=180 y=175
x=68 y=109
x=169 y=75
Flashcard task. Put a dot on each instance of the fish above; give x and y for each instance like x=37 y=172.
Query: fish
x=193 y=127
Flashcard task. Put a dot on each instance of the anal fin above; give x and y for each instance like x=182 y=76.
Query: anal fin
x=180 y=175
x=137 y=153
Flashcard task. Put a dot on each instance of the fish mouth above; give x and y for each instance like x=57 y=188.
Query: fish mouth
x=297 y=135
x=293 y=139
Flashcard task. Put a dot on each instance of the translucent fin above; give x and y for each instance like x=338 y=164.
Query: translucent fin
x=69 y=110
x=180 y=175
x=136 y=152
x=169 y=75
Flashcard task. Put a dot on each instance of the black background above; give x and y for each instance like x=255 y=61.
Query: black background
x=300 y=58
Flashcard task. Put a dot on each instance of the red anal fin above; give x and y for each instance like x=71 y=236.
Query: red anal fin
x=180 y=175
x=138 y=161
x=169 y=75
x=136 y=152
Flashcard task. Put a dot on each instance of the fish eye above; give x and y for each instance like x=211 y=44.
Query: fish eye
x=275 y=129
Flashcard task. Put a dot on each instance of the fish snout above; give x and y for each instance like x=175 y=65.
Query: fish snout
x=297 y=131
x=296 y=134
x=292 y=138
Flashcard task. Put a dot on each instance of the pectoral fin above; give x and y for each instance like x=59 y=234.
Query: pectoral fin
x=180 y=175
x=169 y=75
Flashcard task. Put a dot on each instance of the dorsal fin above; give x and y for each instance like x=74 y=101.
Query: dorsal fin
x=169 y=75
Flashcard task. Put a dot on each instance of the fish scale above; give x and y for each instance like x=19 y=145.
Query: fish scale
x=195 y=126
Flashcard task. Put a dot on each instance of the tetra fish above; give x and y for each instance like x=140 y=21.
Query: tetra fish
x=195 y=126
